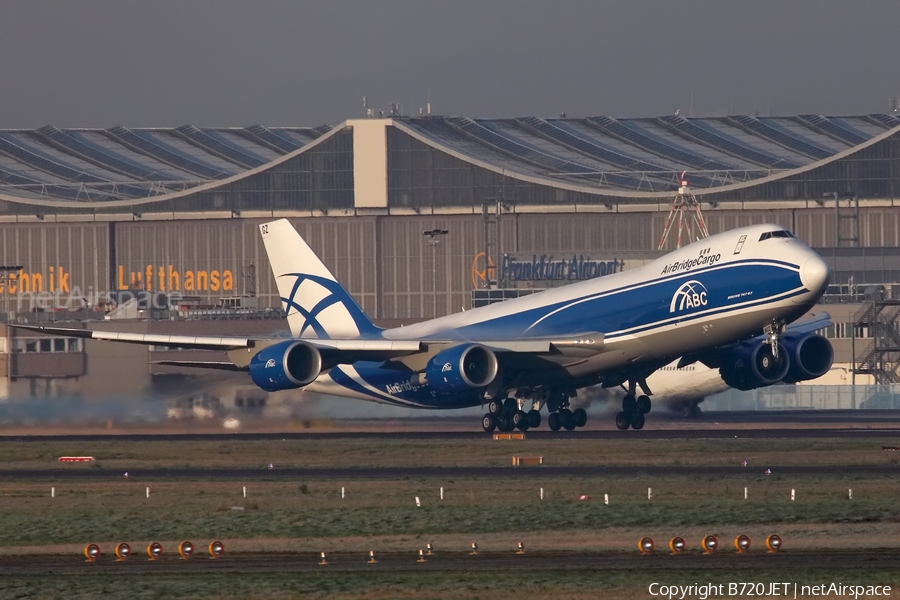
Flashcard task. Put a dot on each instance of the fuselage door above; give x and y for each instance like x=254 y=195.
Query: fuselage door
x=740 y=244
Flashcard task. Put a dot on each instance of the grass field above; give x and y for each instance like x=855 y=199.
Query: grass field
x=310 y=515
x=103 y=510
x=349 y=452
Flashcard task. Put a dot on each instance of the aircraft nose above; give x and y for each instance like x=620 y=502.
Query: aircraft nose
x=814 y=274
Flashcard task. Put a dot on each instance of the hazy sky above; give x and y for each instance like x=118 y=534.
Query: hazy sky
x=90 y=63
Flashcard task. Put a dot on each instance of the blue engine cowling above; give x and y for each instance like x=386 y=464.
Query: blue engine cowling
x=750 y=365
x=286 y=365
x=461 y=368
x=811 y=356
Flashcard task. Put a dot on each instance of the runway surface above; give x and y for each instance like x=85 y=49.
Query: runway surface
x=536 y=472
x=651 y=434
x=754 y=559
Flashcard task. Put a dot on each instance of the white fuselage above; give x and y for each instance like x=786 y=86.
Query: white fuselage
x=715 y=291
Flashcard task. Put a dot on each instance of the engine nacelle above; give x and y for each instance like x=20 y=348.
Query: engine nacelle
x=750 y=365
x=461 y=368
x=286 y=365
x=811 y=356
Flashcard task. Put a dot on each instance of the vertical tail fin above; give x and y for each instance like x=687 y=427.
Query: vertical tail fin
x=316 y=305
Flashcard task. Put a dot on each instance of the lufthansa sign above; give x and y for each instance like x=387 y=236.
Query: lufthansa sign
x=548 y=268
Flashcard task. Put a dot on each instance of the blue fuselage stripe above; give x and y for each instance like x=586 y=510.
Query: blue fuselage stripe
x=635 y=309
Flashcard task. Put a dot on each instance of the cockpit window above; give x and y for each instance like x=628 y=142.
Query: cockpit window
x=781 y=233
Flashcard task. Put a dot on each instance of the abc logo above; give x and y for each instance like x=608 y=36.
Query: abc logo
x=691 y=294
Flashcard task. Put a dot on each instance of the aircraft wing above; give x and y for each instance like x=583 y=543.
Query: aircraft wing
x=709 y=357
x=202 y=342
x=355 y=349
x=815 y=322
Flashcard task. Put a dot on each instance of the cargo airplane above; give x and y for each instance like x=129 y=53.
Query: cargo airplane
x=724 y=301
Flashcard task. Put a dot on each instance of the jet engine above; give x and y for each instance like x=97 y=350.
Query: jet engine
x=750 y=365
x=461 y=368
x=811 y=356
x=286 y=365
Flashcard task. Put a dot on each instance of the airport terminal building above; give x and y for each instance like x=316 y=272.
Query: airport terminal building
x=94 y=212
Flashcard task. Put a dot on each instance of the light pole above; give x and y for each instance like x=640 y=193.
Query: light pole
x=432 y=236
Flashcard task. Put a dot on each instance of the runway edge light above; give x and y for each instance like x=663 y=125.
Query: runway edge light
x=421 y=558
x=710 y=543
x=372 y=560
x=742 y=543
x=154 y=550
x=216 y=549
x=429 y=549
x=92 y=552
x=773 y=543
x=645 y=545
x=185 y=549
x=323 y=558
x=123 y=551
x=677 y=545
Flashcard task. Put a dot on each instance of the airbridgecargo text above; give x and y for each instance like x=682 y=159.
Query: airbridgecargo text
x=403 y=386
x=685 y=265
x=702 y=591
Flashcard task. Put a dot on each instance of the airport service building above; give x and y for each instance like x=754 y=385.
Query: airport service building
x=89 y=213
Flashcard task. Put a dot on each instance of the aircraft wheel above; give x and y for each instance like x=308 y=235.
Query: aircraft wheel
x=629 y=404
x=554 y=421
x=622 y=421
x=534 y=419
x=495 y=406
x=695 y=412
x=489 y=423
x=504 y=423
x=580 y=417
x=643 y=404
x=568 y=419
x=520 y=420
x=637 y=420
x=510 y=406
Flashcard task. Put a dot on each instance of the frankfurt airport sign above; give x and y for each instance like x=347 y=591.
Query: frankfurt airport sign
x=547 y=267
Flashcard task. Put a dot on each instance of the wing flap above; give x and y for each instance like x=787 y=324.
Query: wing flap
x=200 y=342
x=197 y=342
x=372 y=346
x=199 y=364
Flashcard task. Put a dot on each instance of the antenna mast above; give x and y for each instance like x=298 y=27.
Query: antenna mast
x=685 y=209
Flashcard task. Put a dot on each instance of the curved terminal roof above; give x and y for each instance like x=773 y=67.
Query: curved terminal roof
x=86 y=165
x=644 y=156
x=627 y=156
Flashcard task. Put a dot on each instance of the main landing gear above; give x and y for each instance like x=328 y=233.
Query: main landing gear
x=634 y=407
x=507 y=415
x=691 y=411
x=510 y=414
x=633 y=411
x=562 y=416
x=567 y=419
